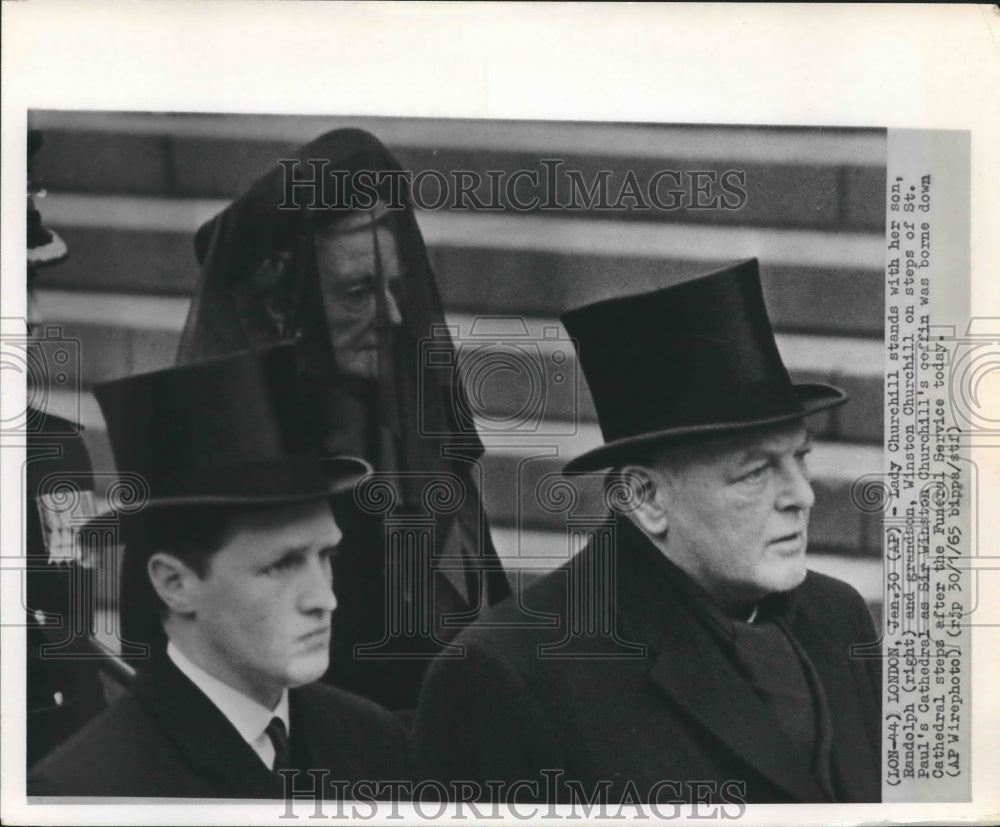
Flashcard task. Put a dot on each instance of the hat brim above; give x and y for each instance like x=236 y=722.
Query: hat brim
x=814 y=397
x=336 y=474
x=343 y=473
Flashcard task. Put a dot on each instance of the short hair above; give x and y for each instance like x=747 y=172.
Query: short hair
x=616 y=483
x=190 y=533
x=193 y=533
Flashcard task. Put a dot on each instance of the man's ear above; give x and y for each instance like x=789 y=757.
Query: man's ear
x=648 y=504
x=175 y=582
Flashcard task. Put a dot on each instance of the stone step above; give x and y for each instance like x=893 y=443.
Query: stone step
x=802 y=352
x=129 y=188
x=219 y=167
x=119 y=334
x=553 y=232
x=825 y=177
x=826 y=298
x=761 y=144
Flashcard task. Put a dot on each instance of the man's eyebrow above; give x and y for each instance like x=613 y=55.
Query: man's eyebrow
x=757 y=452
x=332 y=549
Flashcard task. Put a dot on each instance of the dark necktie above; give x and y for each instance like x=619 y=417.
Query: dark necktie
x=279 y=740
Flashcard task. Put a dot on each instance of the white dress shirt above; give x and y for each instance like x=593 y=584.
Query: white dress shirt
x=248 y=717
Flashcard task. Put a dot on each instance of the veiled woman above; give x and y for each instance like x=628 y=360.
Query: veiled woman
x=343 y=270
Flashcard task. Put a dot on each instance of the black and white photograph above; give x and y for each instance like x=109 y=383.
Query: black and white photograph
x=541 y=463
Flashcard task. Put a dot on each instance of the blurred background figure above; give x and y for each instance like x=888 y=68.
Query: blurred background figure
x=64 y=689
x=344 y=271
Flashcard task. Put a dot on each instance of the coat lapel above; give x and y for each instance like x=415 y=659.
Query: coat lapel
x=687 y=663
x=702 y=680
x=852 y=758
x=333 y=751
x=210 y=747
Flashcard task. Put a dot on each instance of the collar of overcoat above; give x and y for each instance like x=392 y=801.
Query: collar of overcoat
x=204 y=738
x=687 y=662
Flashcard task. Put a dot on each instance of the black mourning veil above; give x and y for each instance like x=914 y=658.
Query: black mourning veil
x=260 y=283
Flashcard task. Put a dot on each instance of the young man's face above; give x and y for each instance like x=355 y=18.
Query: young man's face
x=352 y=294
x=261 y=614
x=738 y=512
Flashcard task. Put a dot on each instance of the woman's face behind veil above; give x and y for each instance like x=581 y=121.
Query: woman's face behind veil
x=359 y=287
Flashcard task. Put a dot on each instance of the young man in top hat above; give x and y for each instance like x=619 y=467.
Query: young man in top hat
x=695 y=657
x=237 y=536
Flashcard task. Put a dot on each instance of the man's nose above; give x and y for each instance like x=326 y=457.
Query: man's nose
x=797 y=492
x=316 y=593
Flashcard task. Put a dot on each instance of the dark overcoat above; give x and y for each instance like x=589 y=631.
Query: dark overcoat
x=164 y=737
x=637 y=693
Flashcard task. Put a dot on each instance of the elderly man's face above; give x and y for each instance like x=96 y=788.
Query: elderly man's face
x=345 y=257
x=738 y=512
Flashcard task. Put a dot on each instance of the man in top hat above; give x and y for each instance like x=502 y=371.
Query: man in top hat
x=693 y=657
x=233 y=525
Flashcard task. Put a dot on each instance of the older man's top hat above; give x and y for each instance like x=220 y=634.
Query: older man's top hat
x=694 y=359
x=229 y=430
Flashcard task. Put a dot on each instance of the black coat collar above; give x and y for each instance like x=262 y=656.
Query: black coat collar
x=204 y=738
x=688 y=663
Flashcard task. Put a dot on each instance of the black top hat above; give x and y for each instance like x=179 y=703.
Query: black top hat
x=227 y=431
x=695 y=358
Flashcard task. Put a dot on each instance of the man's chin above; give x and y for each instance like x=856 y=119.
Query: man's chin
x=792 y=575
x=307 y=670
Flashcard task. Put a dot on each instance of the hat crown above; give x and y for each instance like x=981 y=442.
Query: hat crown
x=692 y=356
x=227 y=429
